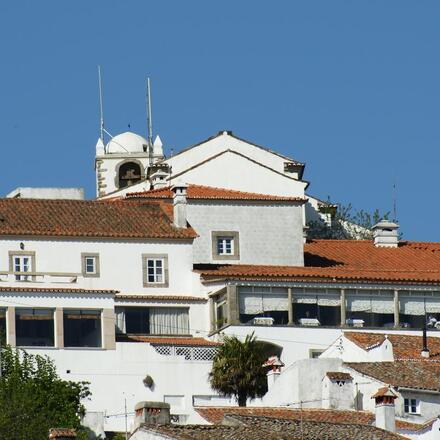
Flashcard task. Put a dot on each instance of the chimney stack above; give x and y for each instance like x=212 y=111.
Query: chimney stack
x=180 y=204
x=385 y=234
x=385 y=409
x=425 y=349
x=159 y=179
x=151 y=413
x=275 y=370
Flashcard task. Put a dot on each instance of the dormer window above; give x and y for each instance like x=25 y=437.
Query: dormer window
x=411 y=406
x=225 y=245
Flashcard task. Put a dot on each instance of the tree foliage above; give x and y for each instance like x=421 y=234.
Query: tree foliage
x=238 y=370
x=347 y=224
x=33 y=398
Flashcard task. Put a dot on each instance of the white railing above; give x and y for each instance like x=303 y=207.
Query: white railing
x=39 y=277
x=188 y=353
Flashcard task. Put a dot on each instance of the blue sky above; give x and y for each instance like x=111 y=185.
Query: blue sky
x=351 y=88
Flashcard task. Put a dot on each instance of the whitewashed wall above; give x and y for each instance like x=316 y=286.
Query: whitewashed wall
x=212 y=147
x=120 y=263
x=117 y=374
x=233 y=171
x=269 y=234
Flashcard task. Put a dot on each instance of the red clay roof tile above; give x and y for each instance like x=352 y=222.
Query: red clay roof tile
x=215 y=415
x=405 y=347
x=346 y=261
x=213 y=193
x=415 y=374
x=142 y=297
x=97 y=219
x=165 y=340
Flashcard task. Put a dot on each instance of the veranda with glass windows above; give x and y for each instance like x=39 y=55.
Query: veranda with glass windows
x=359 y=307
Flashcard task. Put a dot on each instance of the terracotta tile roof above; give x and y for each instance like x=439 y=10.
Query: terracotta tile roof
x=141 y=297
x=56 y=290
x=61 y=433
x=170 y=340
x=382 y=392
x=346 y=261
x=424 y=375
x=215 y=415
x=239 y=427
x=212 y=193
x=80 y=218
x=405 y=347
x=338 y=375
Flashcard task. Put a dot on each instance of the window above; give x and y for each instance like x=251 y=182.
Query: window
x=315 y=353
x=34 y=327
x=270 y=303
x=411 y=406
x=155 y=270
x=21 y=263
x=152 y=320
x=2 y=327
x=225 y=245
x=90 y=264
x=316 y=307
x=374 y=308
x=82 y=328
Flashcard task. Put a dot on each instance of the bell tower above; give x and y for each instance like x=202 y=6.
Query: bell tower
x=124 y=162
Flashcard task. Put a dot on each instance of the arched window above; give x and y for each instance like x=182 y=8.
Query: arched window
x=129 y=174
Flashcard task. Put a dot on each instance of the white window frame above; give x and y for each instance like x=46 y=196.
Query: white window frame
x=410 y=403
x=222 y=245
x=151 y=267
x=221 y=241
x=17 y=261
x=156 y=276
x=95 y=257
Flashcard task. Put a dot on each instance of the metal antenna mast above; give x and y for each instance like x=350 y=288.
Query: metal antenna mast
x=102 y=129
x=395 y=199
x=149 y=115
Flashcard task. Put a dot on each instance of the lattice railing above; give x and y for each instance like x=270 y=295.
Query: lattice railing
x=188 y=353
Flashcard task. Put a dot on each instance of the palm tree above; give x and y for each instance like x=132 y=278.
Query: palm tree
x=238 y=370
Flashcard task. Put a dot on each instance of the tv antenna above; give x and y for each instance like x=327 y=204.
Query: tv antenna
x=101 y=111
x=395 y=199
x=149 y=118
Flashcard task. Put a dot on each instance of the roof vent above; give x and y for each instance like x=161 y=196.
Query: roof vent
x=385 y=234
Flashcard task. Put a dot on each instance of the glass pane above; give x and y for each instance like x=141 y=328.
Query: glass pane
x=137 y=320
x=82 y=328
x=34 y=327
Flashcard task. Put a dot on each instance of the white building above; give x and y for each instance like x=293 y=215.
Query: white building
x=125 y=291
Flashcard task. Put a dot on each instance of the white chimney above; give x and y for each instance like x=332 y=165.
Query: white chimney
x=275 y=370
x=151 y=413
x=180 y=204
x=159 y=179
x=385 y=234
x=385 y=409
